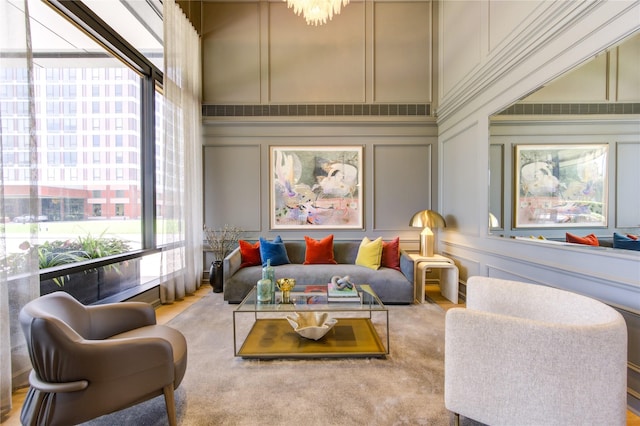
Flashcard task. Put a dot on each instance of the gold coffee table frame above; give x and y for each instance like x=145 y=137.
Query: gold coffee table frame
x=271 y=336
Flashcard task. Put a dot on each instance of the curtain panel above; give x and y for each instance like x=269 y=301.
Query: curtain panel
x=19 y=273
x=180 y=190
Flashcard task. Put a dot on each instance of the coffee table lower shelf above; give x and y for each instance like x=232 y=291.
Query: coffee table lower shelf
x=274 y=338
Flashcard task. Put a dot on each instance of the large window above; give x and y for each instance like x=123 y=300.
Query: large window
x=85 y=164
x=83 y=74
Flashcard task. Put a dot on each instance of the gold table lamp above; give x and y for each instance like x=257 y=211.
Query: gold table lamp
x=427 y=219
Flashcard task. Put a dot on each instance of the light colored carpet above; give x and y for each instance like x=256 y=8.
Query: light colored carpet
x=406 y=388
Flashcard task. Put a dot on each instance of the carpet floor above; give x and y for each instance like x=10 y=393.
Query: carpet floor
x=405 y=388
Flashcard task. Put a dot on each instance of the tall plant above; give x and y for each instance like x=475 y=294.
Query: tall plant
x=222 y=240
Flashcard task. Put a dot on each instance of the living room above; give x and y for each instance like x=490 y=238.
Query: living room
x=281 y=89
x=415 y=84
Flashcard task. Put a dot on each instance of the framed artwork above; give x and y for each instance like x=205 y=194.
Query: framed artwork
x=316 y=187
x=560 y=186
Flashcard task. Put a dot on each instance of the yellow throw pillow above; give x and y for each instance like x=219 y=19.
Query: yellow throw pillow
x=370 y=253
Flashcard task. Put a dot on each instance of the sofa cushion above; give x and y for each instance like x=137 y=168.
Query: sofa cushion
x=250 y=253
x=319 y=251
x=370 y=253
x=274 y=250
x=590 y=240
x=391 y=254
x=623 y=242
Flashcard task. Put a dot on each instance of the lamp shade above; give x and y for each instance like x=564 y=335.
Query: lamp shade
x=427 y=219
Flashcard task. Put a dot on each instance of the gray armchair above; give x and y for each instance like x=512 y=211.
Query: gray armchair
x=525 y=354
x=93 y=360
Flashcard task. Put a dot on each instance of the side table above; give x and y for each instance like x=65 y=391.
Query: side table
x=448 y=280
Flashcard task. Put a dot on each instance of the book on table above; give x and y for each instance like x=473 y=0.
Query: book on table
x=315 y=294
x=335 y=294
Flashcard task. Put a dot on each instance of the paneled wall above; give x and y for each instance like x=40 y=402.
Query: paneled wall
x=399 y=167
x=365 y=78
x=260 y=52
x=518 y=47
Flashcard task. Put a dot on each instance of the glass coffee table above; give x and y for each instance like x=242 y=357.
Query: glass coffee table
x=271 y=336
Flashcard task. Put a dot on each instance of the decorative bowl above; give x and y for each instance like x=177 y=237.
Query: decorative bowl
x=311 y=325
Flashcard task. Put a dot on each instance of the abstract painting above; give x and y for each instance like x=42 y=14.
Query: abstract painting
x=316 y=187
x=560 y=185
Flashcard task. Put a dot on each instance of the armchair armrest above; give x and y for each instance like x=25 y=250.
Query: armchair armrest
x=231 y=264
x=108 y=360
x=407 y=265
x=114 y=318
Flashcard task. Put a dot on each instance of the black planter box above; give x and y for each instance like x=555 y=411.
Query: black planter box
x=93 y=285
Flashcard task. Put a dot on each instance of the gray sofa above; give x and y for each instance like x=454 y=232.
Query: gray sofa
x=392 y=286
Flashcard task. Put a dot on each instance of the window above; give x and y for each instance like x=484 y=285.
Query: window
x=70 y=158
x=22 y=108
x=69 y=108
x=88 y=107
x=69 y=91
x=69 y=141
x=70 y=125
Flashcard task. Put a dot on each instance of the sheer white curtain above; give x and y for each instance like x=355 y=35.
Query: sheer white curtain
x=19 y=275
x=181 y=157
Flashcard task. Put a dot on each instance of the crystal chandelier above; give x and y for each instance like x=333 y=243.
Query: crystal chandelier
x=316 y=12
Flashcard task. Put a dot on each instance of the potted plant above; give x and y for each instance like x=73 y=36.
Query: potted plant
x=115 y=277
x=92 y=284
x=221 y=242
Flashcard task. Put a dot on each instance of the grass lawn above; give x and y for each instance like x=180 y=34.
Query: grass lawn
x=76 y=228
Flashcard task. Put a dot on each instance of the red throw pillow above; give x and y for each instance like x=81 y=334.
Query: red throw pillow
x=249 y=253
x=319 y=251
x=590 y=240
x=391 y=254
x=633 y=237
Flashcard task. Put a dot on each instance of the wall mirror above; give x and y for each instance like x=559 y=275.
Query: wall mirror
x=541 y=189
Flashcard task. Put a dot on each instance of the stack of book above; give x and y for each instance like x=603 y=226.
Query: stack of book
x=315 y=294
x=335 y=294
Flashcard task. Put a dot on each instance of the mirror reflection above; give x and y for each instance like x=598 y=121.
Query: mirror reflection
x=592 y=108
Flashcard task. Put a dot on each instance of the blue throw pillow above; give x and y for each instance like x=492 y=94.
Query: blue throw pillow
x=624 y=242
x=274 y=250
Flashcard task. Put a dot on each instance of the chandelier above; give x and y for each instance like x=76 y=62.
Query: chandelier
x=316 y=12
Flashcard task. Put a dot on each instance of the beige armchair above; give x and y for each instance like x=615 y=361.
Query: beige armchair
x=525 y=354
x=93 y=360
